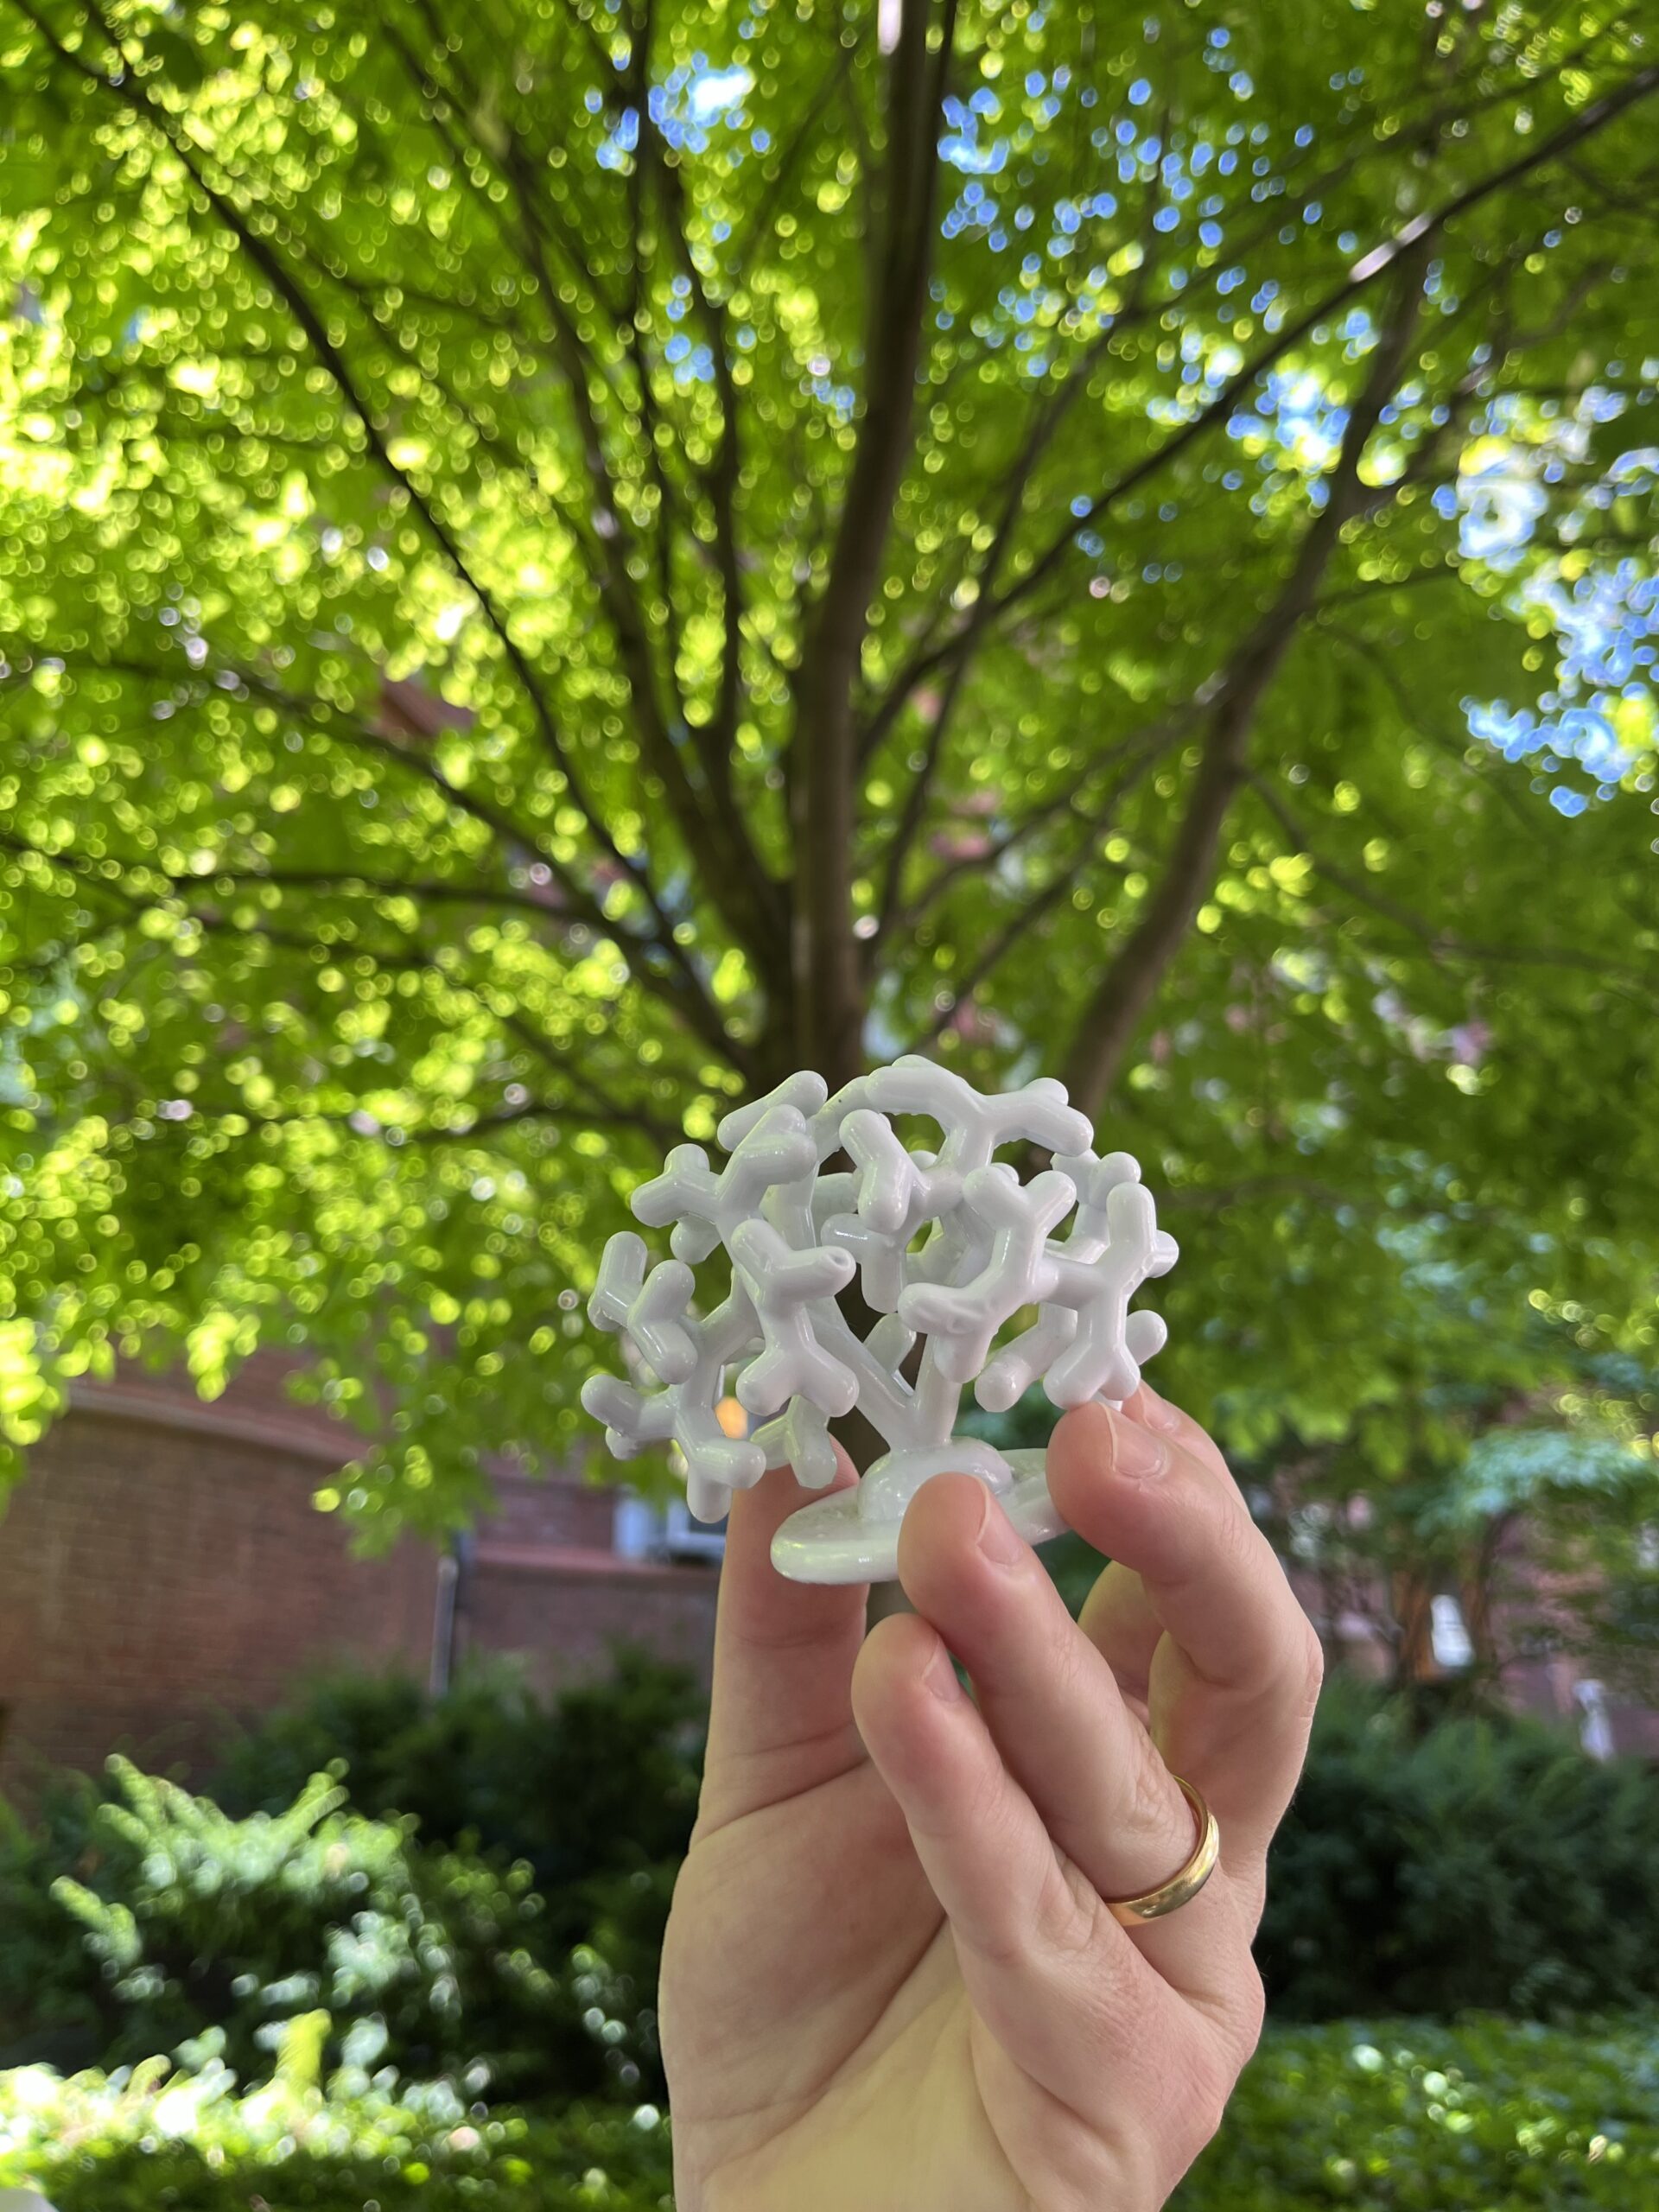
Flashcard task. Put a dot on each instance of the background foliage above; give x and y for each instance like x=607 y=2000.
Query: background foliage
x=1488 y=2117
x=474 y=1885
x=562 y=563
x=604 y=1781
x=339 y=2143
x=1480 y=1862
x=479 y=1883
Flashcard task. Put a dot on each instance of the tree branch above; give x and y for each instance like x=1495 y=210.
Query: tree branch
x=1141 y=747
x=711 y=825
x=658 y=962
x=729 y=866
x=1441 y=945
x=1414 y=235
x=759 y=224
x=1006 y=937
x=129 y=93
x=1127 y=989
x=1048 y=416
x=725 y=887
x=824 y=762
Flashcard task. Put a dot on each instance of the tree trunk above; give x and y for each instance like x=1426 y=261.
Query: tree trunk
x=1414 y=1657
x=1479 y=1593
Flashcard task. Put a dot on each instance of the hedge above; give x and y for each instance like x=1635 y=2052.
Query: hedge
x=1480 y=1863
x=1486 y=2116
x=476 y=1873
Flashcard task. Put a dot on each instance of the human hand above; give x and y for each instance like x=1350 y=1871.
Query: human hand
x=891 y=1982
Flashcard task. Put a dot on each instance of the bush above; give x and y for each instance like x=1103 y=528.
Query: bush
x=1487 y=2117
x=189 y=2143
x=602 y=1782
x=1490 y=2116
x=1483 y=1863
x=595 y=1793
x=488 y=1876
x=208 y=1936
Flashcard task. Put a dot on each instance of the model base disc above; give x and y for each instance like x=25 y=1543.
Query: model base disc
x=830 y=1540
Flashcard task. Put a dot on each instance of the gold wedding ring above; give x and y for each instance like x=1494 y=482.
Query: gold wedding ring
x=1181 y=1888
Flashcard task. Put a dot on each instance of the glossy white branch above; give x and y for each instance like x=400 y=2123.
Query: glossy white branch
x=946 y=1245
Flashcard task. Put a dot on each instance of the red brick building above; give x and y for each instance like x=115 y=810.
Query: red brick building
x=163 y=1570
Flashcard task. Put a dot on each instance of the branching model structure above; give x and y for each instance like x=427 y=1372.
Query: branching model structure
x=949 y=1247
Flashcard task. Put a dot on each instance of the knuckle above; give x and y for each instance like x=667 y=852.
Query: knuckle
x=1306 y=1671
x=1068 y=1912
x=1155 y=1808
x=1002 y=1941
x=1251 y=2009
x=1237 y=1536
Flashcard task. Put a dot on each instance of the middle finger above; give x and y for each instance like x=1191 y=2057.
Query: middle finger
x=1234 y=1681
x=1056 y=1713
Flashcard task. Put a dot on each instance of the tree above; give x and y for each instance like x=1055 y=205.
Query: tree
x=1522 y=1481
x=567 y=561
x=1554 y=1528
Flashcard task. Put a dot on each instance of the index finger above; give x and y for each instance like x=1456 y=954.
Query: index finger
x=780 y=1719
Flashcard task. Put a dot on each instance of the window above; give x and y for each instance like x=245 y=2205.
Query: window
x=1448 y=1634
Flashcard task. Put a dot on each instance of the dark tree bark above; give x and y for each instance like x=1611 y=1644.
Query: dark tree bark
x=1131 y=980
x=828 y=981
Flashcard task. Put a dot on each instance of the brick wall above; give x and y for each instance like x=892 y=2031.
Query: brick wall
x=1548 y=1688
x=542 y=1582
x=162 y=1568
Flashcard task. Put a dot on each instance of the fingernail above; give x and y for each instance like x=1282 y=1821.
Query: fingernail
x=1159 y=1411
x=998 y=1539
x=941 y=1676
x=1137 y=1455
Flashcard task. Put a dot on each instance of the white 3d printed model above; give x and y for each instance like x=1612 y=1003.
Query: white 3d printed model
x=948 y=1245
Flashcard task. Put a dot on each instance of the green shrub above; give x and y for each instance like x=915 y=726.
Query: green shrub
x=1478 y=1863
x=50 y=2003
x=521 y=1834
x=190 y=2142
x=586 y=2166
x=1487 y=2116
x=596 y=1792
x=603 y=1779
x=181 y=1928
x=1483 y=1863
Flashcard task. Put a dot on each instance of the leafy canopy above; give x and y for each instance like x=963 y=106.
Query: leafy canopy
x=562 y=561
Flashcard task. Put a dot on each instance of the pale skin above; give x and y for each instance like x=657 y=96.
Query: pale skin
x=891 y=1981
